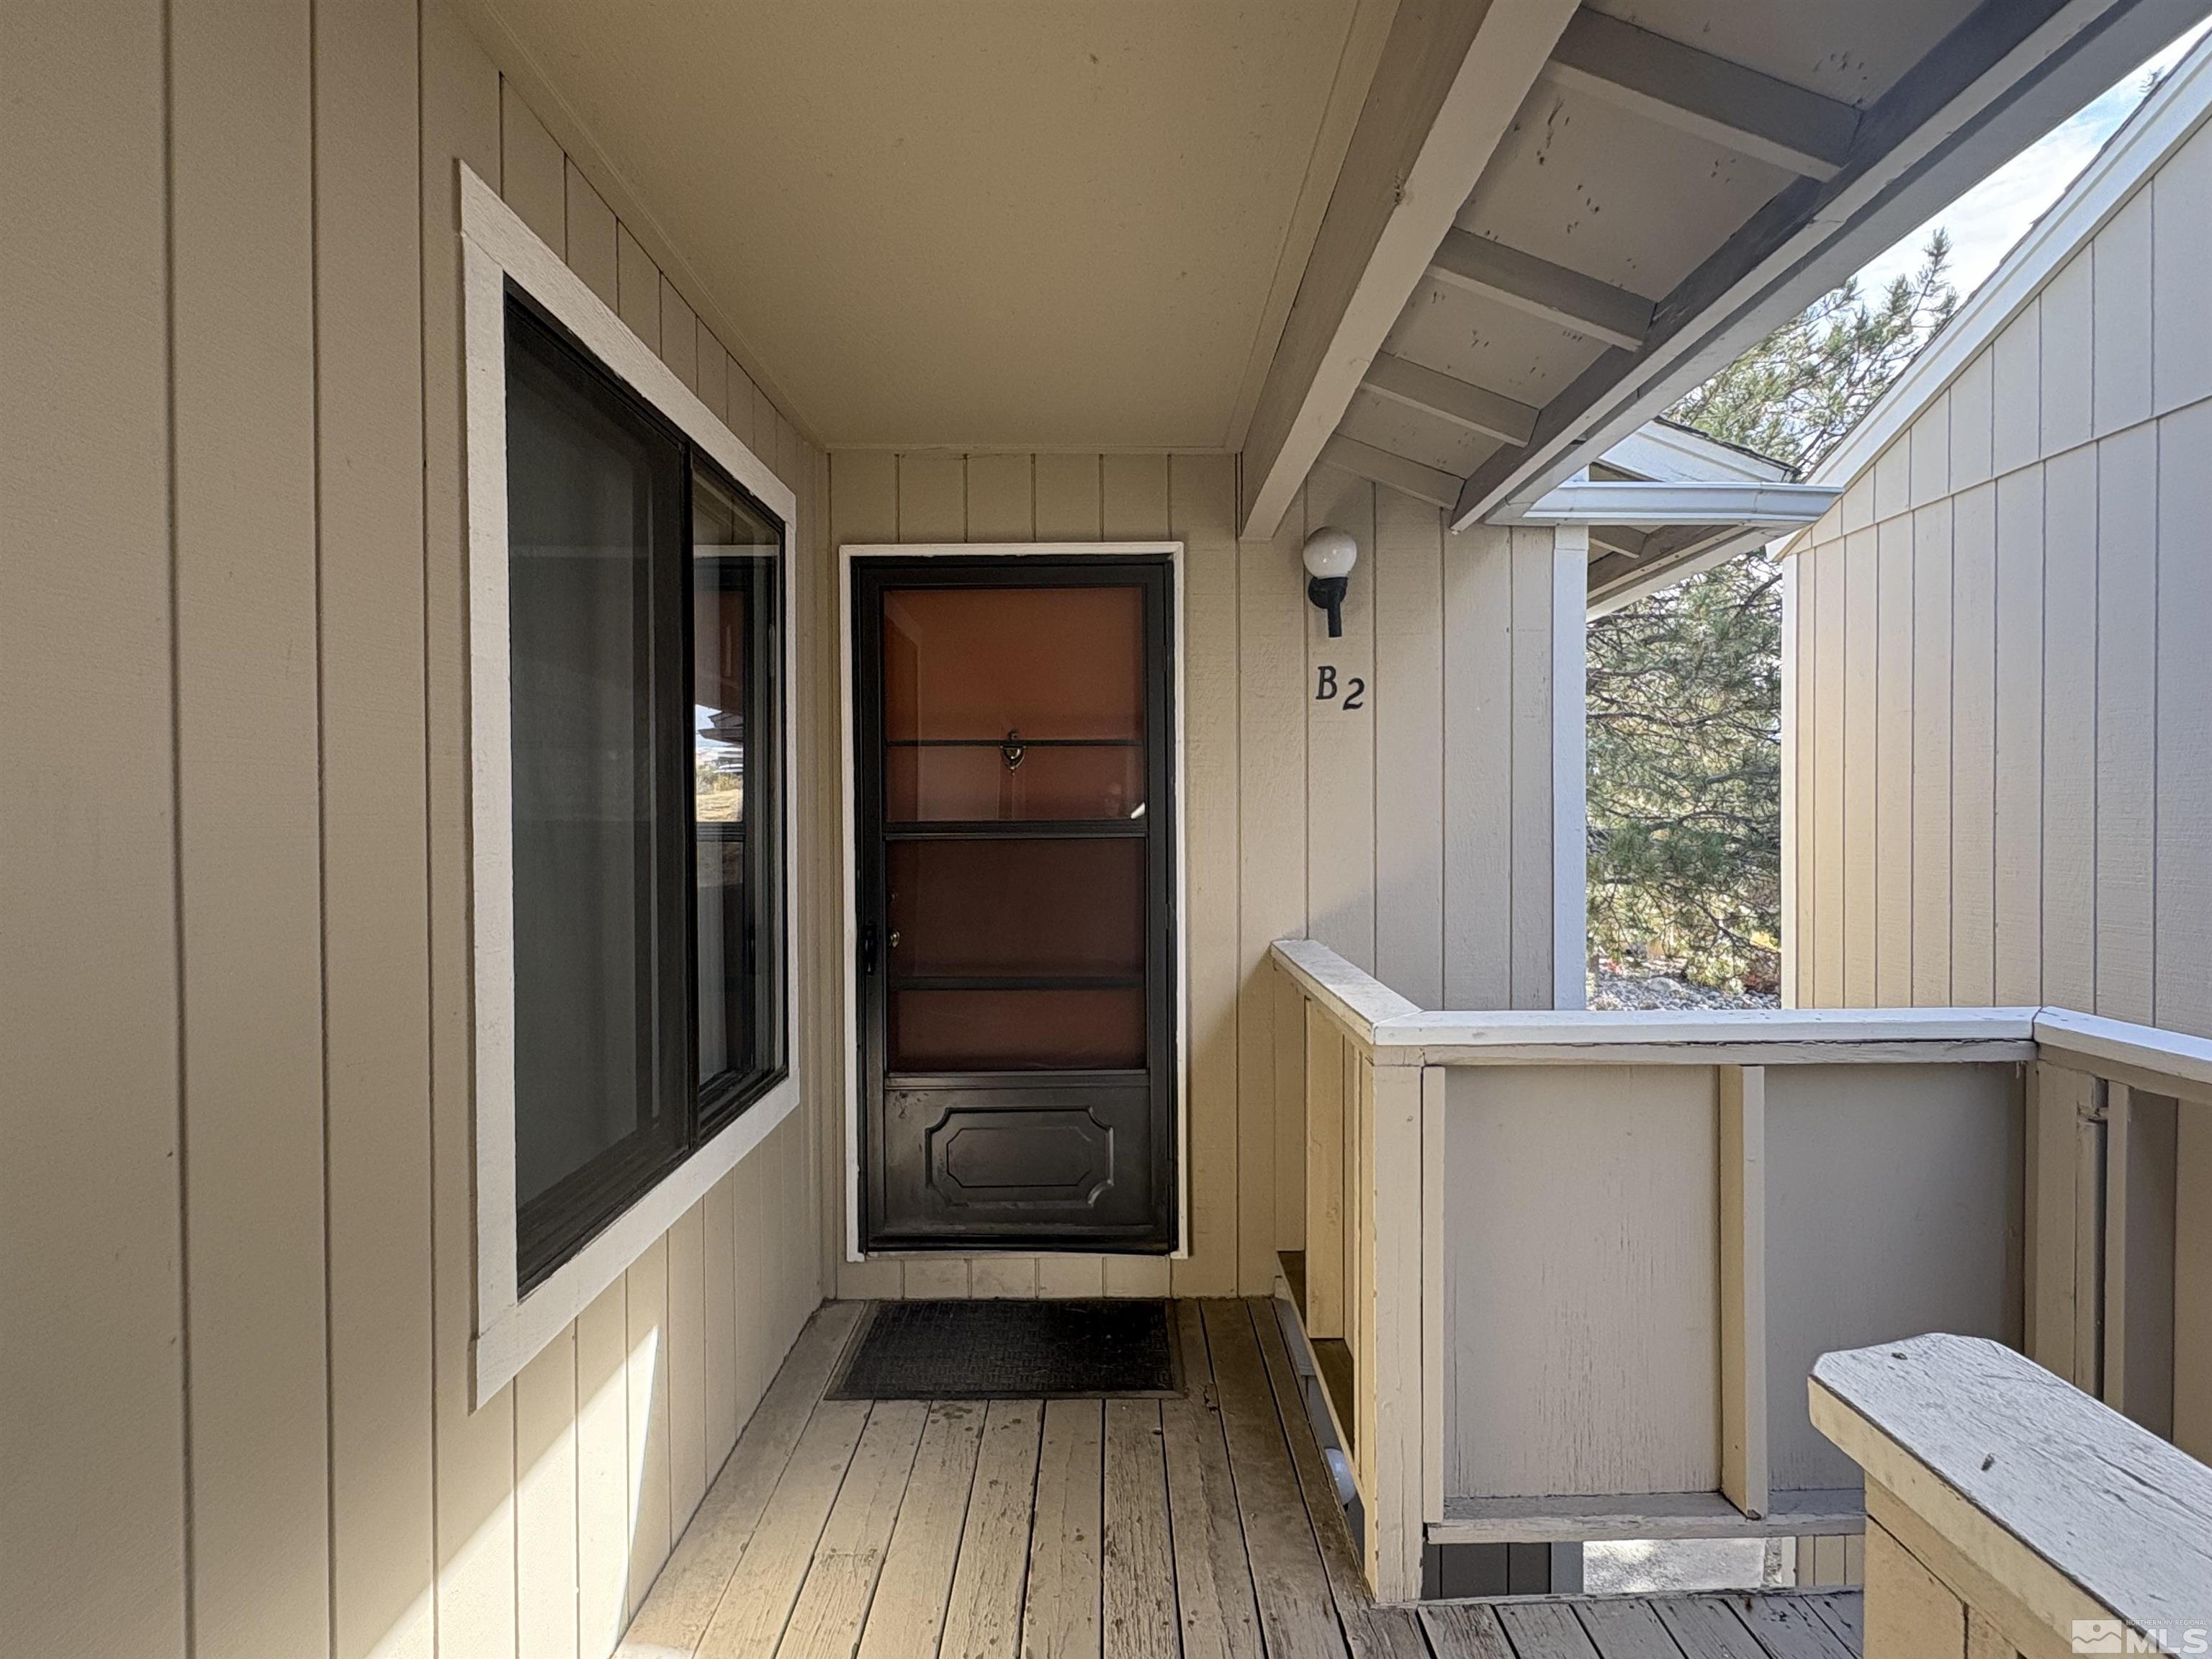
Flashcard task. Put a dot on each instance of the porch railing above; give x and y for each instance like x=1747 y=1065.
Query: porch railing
x=1565 y=1273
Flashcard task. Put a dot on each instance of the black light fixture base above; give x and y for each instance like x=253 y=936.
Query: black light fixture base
x=1327 y=593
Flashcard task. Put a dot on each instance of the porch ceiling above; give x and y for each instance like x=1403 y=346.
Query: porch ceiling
x=956 y=222
x=1606 y=210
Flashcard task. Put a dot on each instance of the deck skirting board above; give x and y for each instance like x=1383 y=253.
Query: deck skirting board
x=1643 y=1515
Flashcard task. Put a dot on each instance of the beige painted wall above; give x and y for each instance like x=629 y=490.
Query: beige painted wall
x=1414 y=836
x=2000 y=751
x=234 y=1210
x=236 y=1271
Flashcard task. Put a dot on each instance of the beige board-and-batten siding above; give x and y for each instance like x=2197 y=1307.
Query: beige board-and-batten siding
x=1413 y=834
x=235 y=1263
x=2001 y=736
x=1999 y=750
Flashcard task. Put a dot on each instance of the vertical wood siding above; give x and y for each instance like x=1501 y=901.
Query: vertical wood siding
x=1413 y=834
x=2005 y=620
x=235 y=1259
x=92 y=1527
x=231 y=638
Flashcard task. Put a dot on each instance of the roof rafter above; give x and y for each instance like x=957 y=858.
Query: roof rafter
x=1423 y=482
x=1538 y=287
x=1692 y=91
x=1451 y=79
x=1462 y=403
x=2004 y=76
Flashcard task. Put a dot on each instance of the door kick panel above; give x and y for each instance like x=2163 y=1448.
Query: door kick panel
x=999 y=1164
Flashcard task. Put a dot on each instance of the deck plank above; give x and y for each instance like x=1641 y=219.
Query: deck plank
x=1707 y=1627
x=1203 y=1526
x=1623 y=1627
x=1546 y=1629
x=1290 y=1584
x=907 y=1617
x=748 y=1622
x=1137 y=1565
x=1060 y=1614
x=1214 y=1579
x=1464 y=1629
x=833 y=1602
x=1372 y=1632
x=1789 y=1628
x=1844 y=1612
x=984 y=1618
x=690 y=1587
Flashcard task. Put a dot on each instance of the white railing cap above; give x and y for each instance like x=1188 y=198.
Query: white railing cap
x=2145 y=1056
x=2091 y=1043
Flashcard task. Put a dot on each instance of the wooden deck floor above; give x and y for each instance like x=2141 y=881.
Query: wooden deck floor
x=1202 y=1526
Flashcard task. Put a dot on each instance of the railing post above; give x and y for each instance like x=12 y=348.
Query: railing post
x=1324 y=1129
x=1393 y=1411
x=2065 y=1217
x=1743 y=1287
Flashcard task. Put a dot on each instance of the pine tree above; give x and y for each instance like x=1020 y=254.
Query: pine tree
x=1686 y=686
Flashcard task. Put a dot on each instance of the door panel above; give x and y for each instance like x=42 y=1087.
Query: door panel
x=1000 y=1030
x=968 y=662
x=1015 y=901
x=1003 y=1166
x=953 y=783
x=1028 y=907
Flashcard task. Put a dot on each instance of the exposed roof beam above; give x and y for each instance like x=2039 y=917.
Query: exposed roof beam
x=1451 y=79
x=1461 y=402
x=2005 y=75
x=1622 y=543
x=1541 y=288
x=1649 y=505
x=1677 y=86
x=1423 y=484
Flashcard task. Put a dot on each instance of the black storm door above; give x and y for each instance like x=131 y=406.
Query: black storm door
x=1016 y=843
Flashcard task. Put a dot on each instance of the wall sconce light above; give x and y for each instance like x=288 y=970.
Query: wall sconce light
x=1330 y=555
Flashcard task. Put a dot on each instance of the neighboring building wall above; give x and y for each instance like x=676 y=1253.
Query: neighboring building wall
x=234 y=1034
x=2000 y=734
x=1413 y=834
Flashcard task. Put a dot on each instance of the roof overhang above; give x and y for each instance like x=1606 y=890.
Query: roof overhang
x=1645 y=504
x=1494 y=300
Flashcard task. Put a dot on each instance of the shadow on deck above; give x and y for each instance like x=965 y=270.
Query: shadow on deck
x=1202 y=1526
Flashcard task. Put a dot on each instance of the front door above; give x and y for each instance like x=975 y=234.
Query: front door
x=1016 y=850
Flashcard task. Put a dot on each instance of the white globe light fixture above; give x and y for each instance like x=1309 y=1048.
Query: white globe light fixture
x=1330 y=554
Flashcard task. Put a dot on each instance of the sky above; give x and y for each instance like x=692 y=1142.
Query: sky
x=1990 y=218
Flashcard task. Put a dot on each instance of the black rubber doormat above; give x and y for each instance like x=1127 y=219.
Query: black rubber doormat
x=1010 y=1351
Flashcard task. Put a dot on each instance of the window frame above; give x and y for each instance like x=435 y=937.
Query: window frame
x=500 y=252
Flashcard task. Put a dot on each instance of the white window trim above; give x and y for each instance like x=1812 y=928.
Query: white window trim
x=498 y=248
x=848 y=918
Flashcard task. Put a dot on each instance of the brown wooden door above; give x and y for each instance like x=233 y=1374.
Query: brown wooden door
x=1015 y=834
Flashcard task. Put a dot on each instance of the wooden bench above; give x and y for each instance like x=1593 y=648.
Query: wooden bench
x=2007 y=1511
